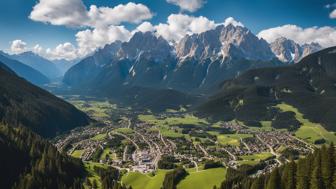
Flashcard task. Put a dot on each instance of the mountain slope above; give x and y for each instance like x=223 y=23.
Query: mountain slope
x=156 y=100
x=28 y=161
x=87 y=69
x=23 y=70
x=40 y=64
x=22 y=103
x=309 y=86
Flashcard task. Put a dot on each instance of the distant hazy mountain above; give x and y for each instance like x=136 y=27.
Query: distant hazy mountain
x=39 y=63
x=288 y=51
x=64 y=65
x=308 y=85
x=23 y=70
x=23 y=104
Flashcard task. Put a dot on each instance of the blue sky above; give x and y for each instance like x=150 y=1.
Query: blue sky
x=256 y=15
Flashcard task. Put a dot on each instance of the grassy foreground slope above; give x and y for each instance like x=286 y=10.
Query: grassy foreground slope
x=204 y=179
x=140 y=181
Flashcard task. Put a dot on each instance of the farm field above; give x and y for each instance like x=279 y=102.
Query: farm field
x=203 y=179
x=255 y=158
x=232 y=139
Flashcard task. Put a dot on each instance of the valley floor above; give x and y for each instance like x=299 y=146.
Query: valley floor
x=146 y=146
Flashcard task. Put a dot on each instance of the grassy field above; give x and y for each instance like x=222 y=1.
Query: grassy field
x=166 y=132
x=144 y=181
x=108 y=152
x=309 y=131
x=124 y=130
x=231 y=139
x=98 y=109
x=255 y=158
x=77 y=153
x=165 y=125
x=204 y=179
x=99 y=137
x=173 y=121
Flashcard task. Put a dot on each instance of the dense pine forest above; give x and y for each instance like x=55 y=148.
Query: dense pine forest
x=31 y=162
x=28 y=161
x=316 y=171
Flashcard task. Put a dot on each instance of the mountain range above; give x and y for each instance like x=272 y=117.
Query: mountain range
x=40 y=64
x=24 y=71
x=197 y=64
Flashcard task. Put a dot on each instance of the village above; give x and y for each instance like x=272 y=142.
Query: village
x=136 y=145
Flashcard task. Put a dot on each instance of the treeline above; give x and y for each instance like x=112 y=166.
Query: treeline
x=109 y=178
x=172 y=178
x=27 y=161
x=316 y=171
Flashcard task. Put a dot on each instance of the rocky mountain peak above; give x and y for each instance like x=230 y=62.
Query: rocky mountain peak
x=310 y=48
x=224 y=42
x=288 y=50
x=145 y=43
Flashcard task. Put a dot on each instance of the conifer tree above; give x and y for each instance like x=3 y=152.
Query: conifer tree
x=316 y=181
x=257 y=184
x=288 y=180
x=274 y=180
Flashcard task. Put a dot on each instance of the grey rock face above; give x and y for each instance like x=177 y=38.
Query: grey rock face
x=224 y=42
x=288 y=51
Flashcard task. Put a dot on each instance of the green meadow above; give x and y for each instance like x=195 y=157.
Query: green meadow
x=204 y=179
x=308 y=131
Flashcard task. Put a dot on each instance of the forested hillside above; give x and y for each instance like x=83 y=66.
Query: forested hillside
x=316 y=171
x=23 y=104
x=255 y=95
x=30 y=162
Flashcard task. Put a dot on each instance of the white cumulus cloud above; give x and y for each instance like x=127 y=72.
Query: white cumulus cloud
x=63 y=51
x=231 y=20
x=333 y=14
x=73 y=13
x=189 y=5
x=325 y=36
x=60 y=12
x=145 y=27
x=18 y=46
x=131 y=13
x=179 y=25
x=89 y=40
